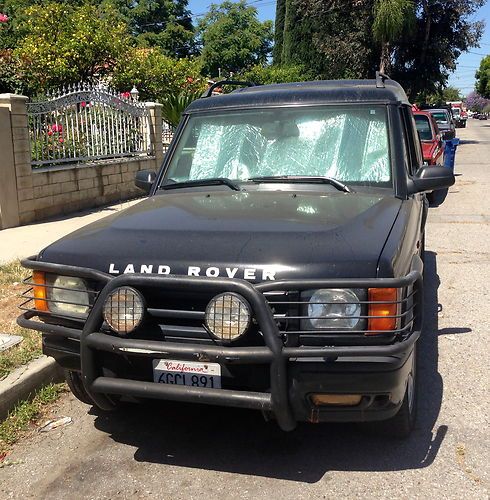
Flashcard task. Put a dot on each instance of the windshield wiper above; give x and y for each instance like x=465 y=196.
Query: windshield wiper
x=216 y=181
x=305 y=179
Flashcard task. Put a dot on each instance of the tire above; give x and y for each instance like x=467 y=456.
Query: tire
x=400 y=426
x=422 y=248
x=74 y=381
x=76 y=386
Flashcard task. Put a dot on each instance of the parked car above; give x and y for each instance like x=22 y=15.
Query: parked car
x=430 y=137
x=276 y=264
x=483 y=116
x=444 y=121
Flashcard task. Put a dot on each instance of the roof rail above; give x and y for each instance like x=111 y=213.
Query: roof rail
x=380 y=80
x=209 y=92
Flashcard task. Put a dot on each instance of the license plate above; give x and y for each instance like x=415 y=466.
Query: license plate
x=175 y=372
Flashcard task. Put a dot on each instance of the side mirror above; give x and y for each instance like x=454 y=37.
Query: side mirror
x=430 y=178
x=144 y=179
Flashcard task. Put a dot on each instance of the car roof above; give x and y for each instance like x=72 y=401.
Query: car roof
x=437 y=110
x=422 y=113
x=306 y=93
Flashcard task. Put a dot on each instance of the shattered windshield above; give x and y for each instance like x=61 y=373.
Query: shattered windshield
x=345 y=143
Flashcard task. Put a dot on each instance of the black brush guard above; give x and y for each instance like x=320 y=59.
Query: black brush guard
x=273 y=352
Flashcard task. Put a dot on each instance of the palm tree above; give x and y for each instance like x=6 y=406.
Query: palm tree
x=391 y=19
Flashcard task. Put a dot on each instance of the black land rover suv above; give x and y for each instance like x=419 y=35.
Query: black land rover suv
x=276 y=264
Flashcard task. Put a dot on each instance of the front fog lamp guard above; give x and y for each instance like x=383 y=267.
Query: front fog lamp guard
x=124 y=310
x=228 y=316
x=58 y=294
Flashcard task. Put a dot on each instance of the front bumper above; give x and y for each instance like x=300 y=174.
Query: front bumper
x=378 y=372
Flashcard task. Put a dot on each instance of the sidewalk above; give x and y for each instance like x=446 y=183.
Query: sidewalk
x=24 y=241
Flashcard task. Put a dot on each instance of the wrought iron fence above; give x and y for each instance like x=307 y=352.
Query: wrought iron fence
x=167 y=135
x=87 y=122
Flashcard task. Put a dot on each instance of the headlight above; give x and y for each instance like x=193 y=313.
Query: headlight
x=67 y=295
x=334 y=308
x=124 y=309
x=228 y=316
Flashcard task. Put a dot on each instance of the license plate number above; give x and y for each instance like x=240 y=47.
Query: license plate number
x=175 y=372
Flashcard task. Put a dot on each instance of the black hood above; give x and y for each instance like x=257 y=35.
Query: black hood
x=290 y=235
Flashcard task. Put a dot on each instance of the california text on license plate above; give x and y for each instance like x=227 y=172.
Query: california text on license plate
x=171 y=371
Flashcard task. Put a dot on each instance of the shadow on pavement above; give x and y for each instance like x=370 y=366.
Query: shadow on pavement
x=240 y=441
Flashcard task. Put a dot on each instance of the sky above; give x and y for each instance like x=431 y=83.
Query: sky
x=464 y=76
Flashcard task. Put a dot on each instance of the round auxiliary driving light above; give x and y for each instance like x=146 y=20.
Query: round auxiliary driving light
x=228 y=316
x=124 y=309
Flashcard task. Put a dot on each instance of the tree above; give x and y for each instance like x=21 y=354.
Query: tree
x=443 y=31
x=331 y=38
x=264 y=75
x=451 y=94
x=63 y=44
x=483 y=77
x=391 y=19
x=233 y=38
x=336 y=38
x=157 y=76
x=166 y=24
x=475 y=102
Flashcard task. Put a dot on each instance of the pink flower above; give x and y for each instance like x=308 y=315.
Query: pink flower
x=126 y=95
x=61 y=139
x=4 y=18
x=57 y=128
x=50 y=133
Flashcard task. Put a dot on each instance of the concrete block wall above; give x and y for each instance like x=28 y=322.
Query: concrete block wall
x=28 y=195
x=70 y=188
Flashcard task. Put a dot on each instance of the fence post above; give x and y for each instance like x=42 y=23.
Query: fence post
x=16 y=190
x=155 y=121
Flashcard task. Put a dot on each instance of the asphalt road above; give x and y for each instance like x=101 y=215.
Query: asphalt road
x=176 y=451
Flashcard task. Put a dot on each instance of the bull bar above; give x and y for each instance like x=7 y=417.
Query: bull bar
x=273 y=353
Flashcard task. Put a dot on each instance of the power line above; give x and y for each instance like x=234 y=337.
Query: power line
x=476 y=53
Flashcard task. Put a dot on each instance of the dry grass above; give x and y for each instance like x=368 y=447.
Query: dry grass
x=25 y=415
x=11 y=276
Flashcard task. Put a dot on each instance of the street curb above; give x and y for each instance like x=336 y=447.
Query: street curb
x=26 y=380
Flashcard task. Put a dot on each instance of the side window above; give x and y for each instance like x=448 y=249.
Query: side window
x=406 y=147
x=414 y=147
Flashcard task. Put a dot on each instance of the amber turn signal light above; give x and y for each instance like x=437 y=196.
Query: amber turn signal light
x=40 y=299
x=335 y=399
x=381 y=314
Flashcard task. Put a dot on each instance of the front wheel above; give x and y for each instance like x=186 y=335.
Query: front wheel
x=401 y=425
x=75 y=383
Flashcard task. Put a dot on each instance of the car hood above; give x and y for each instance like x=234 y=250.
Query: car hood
x=272 y=234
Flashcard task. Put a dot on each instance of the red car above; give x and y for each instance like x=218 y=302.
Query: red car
x=432 y=143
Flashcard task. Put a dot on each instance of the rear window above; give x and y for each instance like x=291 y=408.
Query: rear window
x=423 y=127
x=440 y=117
